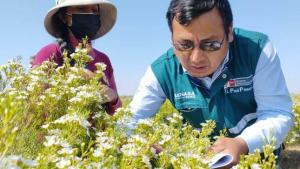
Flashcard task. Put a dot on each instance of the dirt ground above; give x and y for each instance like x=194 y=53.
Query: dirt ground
x=290 y=158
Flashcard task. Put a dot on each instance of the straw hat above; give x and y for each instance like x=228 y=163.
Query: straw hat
x=108 y=14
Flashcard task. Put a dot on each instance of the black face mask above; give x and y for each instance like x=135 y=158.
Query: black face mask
x=85 y=25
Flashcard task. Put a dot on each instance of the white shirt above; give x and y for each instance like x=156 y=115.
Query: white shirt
x=274 y=105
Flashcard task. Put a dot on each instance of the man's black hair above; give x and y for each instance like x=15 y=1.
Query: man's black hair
x=184 y=11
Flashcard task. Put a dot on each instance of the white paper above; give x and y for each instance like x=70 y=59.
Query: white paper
x=220 y=160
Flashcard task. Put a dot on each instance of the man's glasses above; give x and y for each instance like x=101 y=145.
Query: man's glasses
x=188 y=46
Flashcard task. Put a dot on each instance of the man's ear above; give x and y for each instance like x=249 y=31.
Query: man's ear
x=230 y=33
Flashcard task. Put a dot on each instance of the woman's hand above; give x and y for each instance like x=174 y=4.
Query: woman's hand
x=158 y=148
x=110 y=94
x=89 y=74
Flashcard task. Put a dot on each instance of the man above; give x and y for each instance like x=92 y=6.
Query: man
x=213 y=71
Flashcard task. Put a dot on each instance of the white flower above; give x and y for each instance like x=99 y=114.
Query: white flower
x=102 y=134
x=42 y=97
x=165 y=138
x=73 y=55
x=64 y=144
x=50 y=140
x=72 y=118
x=83 y=50
x=104 y=142
x=184 y=166
x=55 y=140
x=52 y=95
x=18 y=159
x=72 y=167
x=255 y=166
x=173 y=158
x=62 y=163
x=45 y=126
x=139 y=138
x=71 y=78
x=106 y=145
x=66 y=150
x=85 y=123
x=54 y=132
x=53 y=82
x=67 y=118
x=21 y=97
x=73 y=90
x=101 y=66
x=97 y=153
x=74 y=69
x=29 y=162
x=146 y=161
x=34 y=78
x=171 y=120
x=75 y=100
x=96 y=115
x=176 y=115
x=30 y=87
x=147 y=122
x=83 y=94
x=129 y=150
x=15 y=129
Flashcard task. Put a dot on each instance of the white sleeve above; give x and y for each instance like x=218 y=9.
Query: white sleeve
x=274 y=105
x=147 y=99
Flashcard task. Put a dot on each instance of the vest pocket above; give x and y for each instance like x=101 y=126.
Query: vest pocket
x=187 y=110
x=193 y=114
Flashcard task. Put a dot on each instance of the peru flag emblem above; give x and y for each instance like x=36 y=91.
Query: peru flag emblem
x=231 y=83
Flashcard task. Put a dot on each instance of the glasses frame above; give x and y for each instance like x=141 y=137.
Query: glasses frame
x=204 y=46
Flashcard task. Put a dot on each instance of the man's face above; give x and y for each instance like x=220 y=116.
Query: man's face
x=202 y=45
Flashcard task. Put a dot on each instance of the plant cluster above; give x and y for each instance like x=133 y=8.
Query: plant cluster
x=54 y=117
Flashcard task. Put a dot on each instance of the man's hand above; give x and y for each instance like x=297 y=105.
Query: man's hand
x=232 y=146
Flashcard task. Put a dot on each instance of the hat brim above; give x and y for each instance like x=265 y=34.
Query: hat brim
x=108 y=15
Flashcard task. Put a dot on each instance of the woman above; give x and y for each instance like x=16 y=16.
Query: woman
x=72 y=20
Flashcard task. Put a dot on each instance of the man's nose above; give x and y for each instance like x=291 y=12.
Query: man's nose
x=197 y=56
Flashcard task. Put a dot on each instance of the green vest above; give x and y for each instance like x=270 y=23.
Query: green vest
x=230 y=101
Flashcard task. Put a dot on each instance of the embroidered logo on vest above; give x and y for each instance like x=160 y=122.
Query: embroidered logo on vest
x=237 y=85
x=184 y=95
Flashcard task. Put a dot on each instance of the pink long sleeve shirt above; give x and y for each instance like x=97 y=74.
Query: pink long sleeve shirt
x=53 y=52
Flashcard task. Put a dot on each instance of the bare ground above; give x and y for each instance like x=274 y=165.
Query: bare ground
x=290 y=158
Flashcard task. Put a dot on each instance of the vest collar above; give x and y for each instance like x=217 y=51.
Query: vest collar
x=208 y=81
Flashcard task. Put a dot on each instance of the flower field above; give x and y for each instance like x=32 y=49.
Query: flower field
x=55 y=118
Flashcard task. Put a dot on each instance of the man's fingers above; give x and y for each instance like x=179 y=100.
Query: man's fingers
x=217 y=148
